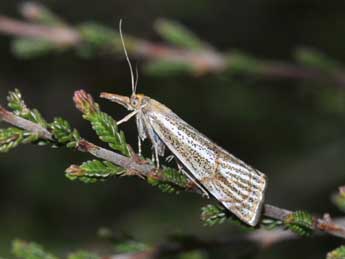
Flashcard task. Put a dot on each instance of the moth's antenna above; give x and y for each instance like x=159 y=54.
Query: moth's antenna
x=127 y=58
x=136 y=78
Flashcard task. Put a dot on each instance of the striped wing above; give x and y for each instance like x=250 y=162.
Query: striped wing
x=238 y=186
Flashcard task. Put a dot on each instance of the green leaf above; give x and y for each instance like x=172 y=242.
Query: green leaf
x=338 y=253
x=239 y=63
x=93 y=171
x=103 y=124
x=96 y=38
x=131 y=246
x=64 y=134
x=339 y=199
x=17 y=104
x=106 y=129
x=25 y=250
x=177 y=34
x=31 y=48
x=163 y=186
x=170 y=180
x=174 y=176
x=217 y=214
x=270 y=224
x=12 y=137
x=316 y=59
x=82 y=255
x=165 y=67
x=300 y=222
x=213 y=214
x=196 y=254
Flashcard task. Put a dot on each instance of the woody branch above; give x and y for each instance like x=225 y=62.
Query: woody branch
x=139 y=167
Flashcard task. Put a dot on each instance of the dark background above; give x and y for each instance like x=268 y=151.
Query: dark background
x=292 y=130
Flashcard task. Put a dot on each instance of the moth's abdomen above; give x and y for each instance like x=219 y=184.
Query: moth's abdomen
x=239 y=187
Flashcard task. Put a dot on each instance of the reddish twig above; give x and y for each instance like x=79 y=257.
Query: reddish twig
x=59 y=35
x=202 y=61
x=324 y=224
x=19 y=122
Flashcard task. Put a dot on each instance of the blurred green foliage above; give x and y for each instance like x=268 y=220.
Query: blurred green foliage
x=178 y=35
x=339 y=199
x=338 y=253
x=25 y=250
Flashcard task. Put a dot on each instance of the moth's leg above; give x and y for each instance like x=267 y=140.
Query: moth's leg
x=180 y=167
x=141 y=131
x=157 y=144
x=202 y=188
x=127 y=117
x=139 y=146
x=156 y=155
x=169 y=158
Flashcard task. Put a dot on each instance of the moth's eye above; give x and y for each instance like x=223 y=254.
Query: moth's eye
x=135 y=101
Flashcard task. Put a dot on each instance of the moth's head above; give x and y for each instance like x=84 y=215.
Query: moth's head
x=135 y=102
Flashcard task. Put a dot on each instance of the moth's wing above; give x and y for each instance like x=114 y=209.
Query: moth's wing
x=239 y=187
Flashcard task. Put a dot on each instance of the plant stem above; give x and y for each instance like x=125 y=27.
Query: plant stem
x=141 y=167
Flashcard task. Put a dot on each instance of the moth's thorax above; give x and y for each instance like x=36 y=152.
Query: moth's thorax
x=151 y=105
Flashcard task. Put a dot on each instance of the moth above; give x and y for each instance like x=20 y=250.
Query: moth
x=237 y=186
